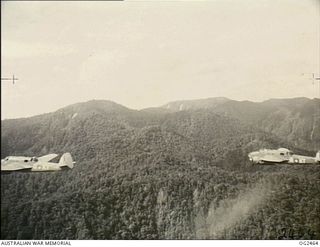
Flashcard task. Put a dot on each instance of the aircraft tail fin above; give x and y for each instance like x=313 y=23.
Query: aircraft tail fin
x=318 y=156
x=66 y=160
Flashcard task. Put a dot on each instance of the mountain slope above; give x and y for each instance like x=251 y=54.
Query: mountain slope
x=295 y=120
x=153 y=174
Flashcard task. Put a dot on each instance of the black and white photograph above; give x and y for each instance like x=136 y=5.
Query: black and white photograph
x=160 y=120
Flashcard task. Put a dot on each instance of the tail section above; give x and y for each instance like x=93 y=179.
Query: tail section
x=318 y=156
x=66 y=160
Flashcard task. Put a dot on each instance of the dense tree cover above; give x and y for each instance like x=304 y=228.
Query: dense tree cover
x=295 y=120
x=153 y=175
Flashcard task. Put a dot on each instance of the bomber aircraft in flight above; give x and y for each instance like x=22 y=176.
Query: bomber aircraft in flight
x=281 y=155
x=36 y=164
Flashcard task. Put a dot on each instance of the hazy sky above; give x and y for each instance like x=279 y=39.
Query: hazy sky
x=142 y=54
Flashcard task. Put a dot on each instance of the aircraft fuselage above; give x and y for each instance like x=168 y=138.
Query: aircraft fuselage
x=34 y=164
x=281 y=155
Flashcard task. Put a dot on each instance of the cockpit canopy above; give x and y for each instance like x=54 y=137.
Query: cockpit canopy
x=20 y=158
x=285 y=151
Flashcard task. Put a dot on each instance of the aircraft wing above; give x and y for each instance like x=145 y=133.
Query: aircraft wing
x=15 y=166
x=272 y=158
x=47 y=158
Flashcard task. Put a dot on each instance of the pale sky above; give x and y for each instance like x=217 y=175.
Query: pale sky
x=146 y=53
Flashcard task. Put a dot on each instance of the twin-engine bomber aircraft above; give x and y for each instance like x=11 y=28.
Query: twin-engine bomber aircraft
x=36 y=164
x=281 y=155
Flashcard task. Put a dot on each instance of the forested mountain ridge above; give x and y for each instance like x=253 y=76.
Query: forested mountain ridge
x=154 y=174
x=296 y=120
